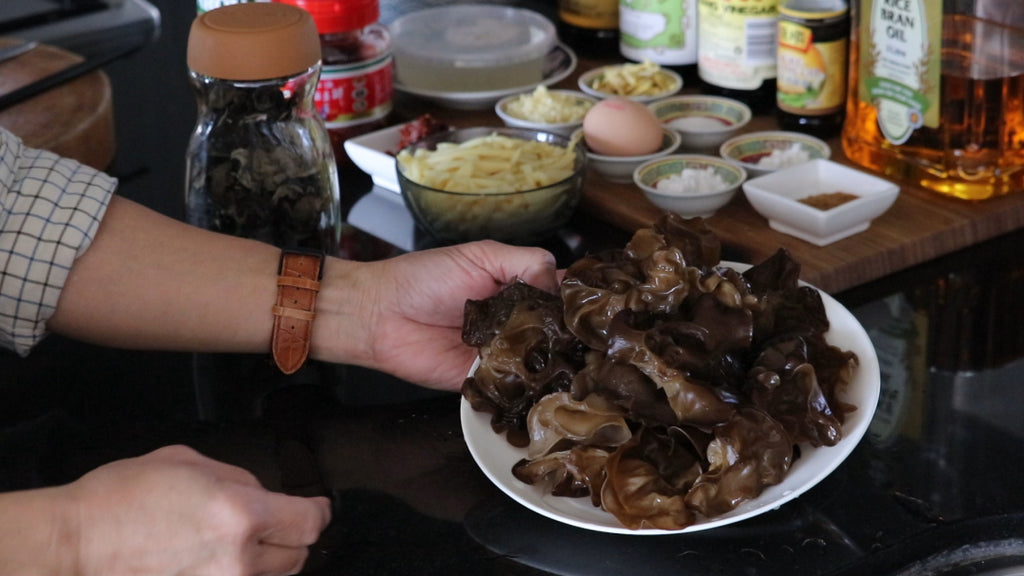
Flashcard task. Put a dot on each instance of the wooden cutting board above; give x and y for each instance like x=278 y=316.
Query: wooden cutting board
x=919 y=227
x=75 y=119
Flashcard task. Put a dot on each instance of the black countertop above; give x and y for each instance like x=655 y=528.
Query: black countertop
x=936 y=479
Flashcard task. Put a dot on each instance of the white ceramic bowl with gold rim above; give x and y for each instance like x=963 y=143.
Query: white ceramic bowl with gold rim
x=620 y=168
x=587 y=81
x=702 y=196
x=761 y=153
x=704 y=122
x=579 y=101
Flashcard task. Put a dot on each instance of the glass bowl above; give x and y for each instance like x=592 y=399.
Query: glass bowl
x=508 y=215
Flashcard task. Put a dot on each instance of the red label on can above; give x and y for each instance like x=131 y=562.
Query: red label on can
x=353 y=94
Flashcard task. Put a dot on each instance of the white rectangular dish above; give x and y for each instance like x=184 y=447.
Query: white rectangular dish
x=777 y=196
x=374 y=153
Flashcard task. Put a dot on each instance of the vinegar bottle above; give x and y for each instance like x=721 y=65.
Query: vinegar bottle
x=949 y=120
x=736 y=50
x=661 y=32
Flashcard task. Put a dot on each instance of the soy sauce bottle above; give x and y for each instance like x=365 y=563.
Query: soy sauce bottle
x=812 y=66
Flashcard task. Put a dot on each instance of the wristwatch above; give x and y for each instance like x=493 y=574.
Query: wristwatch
x=298 y=282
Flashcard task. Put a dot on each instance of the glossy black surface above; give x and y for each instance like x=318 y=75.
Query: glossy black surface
x=936 y=483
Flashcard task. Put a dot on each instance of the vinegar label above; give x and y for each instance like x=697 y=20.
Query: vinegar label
x=736 y=42
x=901 y=64
x=663 y=32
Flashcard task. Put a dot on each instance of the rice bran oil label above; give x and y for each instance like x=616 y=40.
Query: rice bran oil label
x=900 y=62
x=812 y=60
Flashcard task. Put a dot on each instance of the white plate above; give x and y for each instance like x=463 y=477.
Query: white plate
x=496 y=456
x=560 y=62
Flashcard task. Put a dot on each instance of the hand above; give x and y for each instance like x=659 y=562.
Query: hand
x=174 y=511
x=408 y=310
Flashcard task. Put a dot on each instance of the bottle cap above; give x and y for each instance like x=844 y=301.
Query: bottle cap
x=253 y=41
x=334 y=16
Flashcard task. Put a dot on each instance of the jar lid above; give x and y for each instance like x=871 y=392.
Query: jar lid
x=334 y=16
x=471 y=36
x=253 y=41
x=814 y=9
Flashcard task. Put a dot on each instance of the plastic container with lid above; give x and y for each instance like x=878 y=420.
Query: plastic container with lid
x=259 y=161
x=355 y=91
x=471 y=48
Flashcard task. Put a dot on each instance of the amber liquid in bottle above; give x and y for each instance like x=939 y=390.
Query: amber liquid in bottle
x=977 y=150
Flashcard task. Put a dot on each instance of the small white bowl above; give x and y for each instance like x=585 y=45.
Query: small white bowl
x=777 y=196
x=689 y=203
x=704 y=122
x=620 y=168
x=583 y=101
x=749 y=150
x=587 y=79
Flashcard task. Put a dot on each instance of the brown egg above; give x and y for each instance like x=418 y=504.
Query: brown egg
x=621 y=127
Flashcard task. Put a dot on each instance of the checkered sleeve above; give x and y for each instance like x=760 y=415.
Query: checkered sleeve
x=50 y=209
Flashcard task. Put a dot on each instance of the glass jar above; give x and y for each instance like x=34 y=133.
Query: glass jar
x=259 y=161
x=355 y=91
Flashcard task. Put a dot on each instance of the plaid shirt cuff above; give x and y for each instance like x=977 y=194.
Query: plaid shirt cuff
x=50 y=209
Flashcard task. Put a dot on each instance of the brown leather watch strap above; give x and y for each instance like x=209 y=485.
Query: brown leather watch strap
x=298 y=282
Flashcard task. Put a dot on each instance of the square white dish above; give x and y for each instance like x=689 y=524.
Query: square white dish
x=777 y=196
x=374 y=153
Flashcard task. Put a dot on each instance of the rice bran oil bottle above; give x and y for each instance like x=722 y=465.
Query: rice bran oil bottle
x=936 y=95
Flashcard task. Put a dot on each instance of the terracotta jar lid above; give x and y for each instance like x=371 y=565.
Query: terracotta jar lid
x=253 y=41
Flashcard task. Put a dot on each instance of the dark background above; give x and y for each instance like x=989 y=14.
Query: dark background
x=69 y=405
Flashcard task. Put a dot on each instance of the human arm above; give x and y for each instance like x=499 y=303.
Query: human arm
x=149 y=281
x=171 y=511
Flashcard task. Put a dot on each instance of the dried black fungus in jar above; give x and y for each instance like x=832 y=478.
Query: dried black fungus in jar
x=259 y=162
